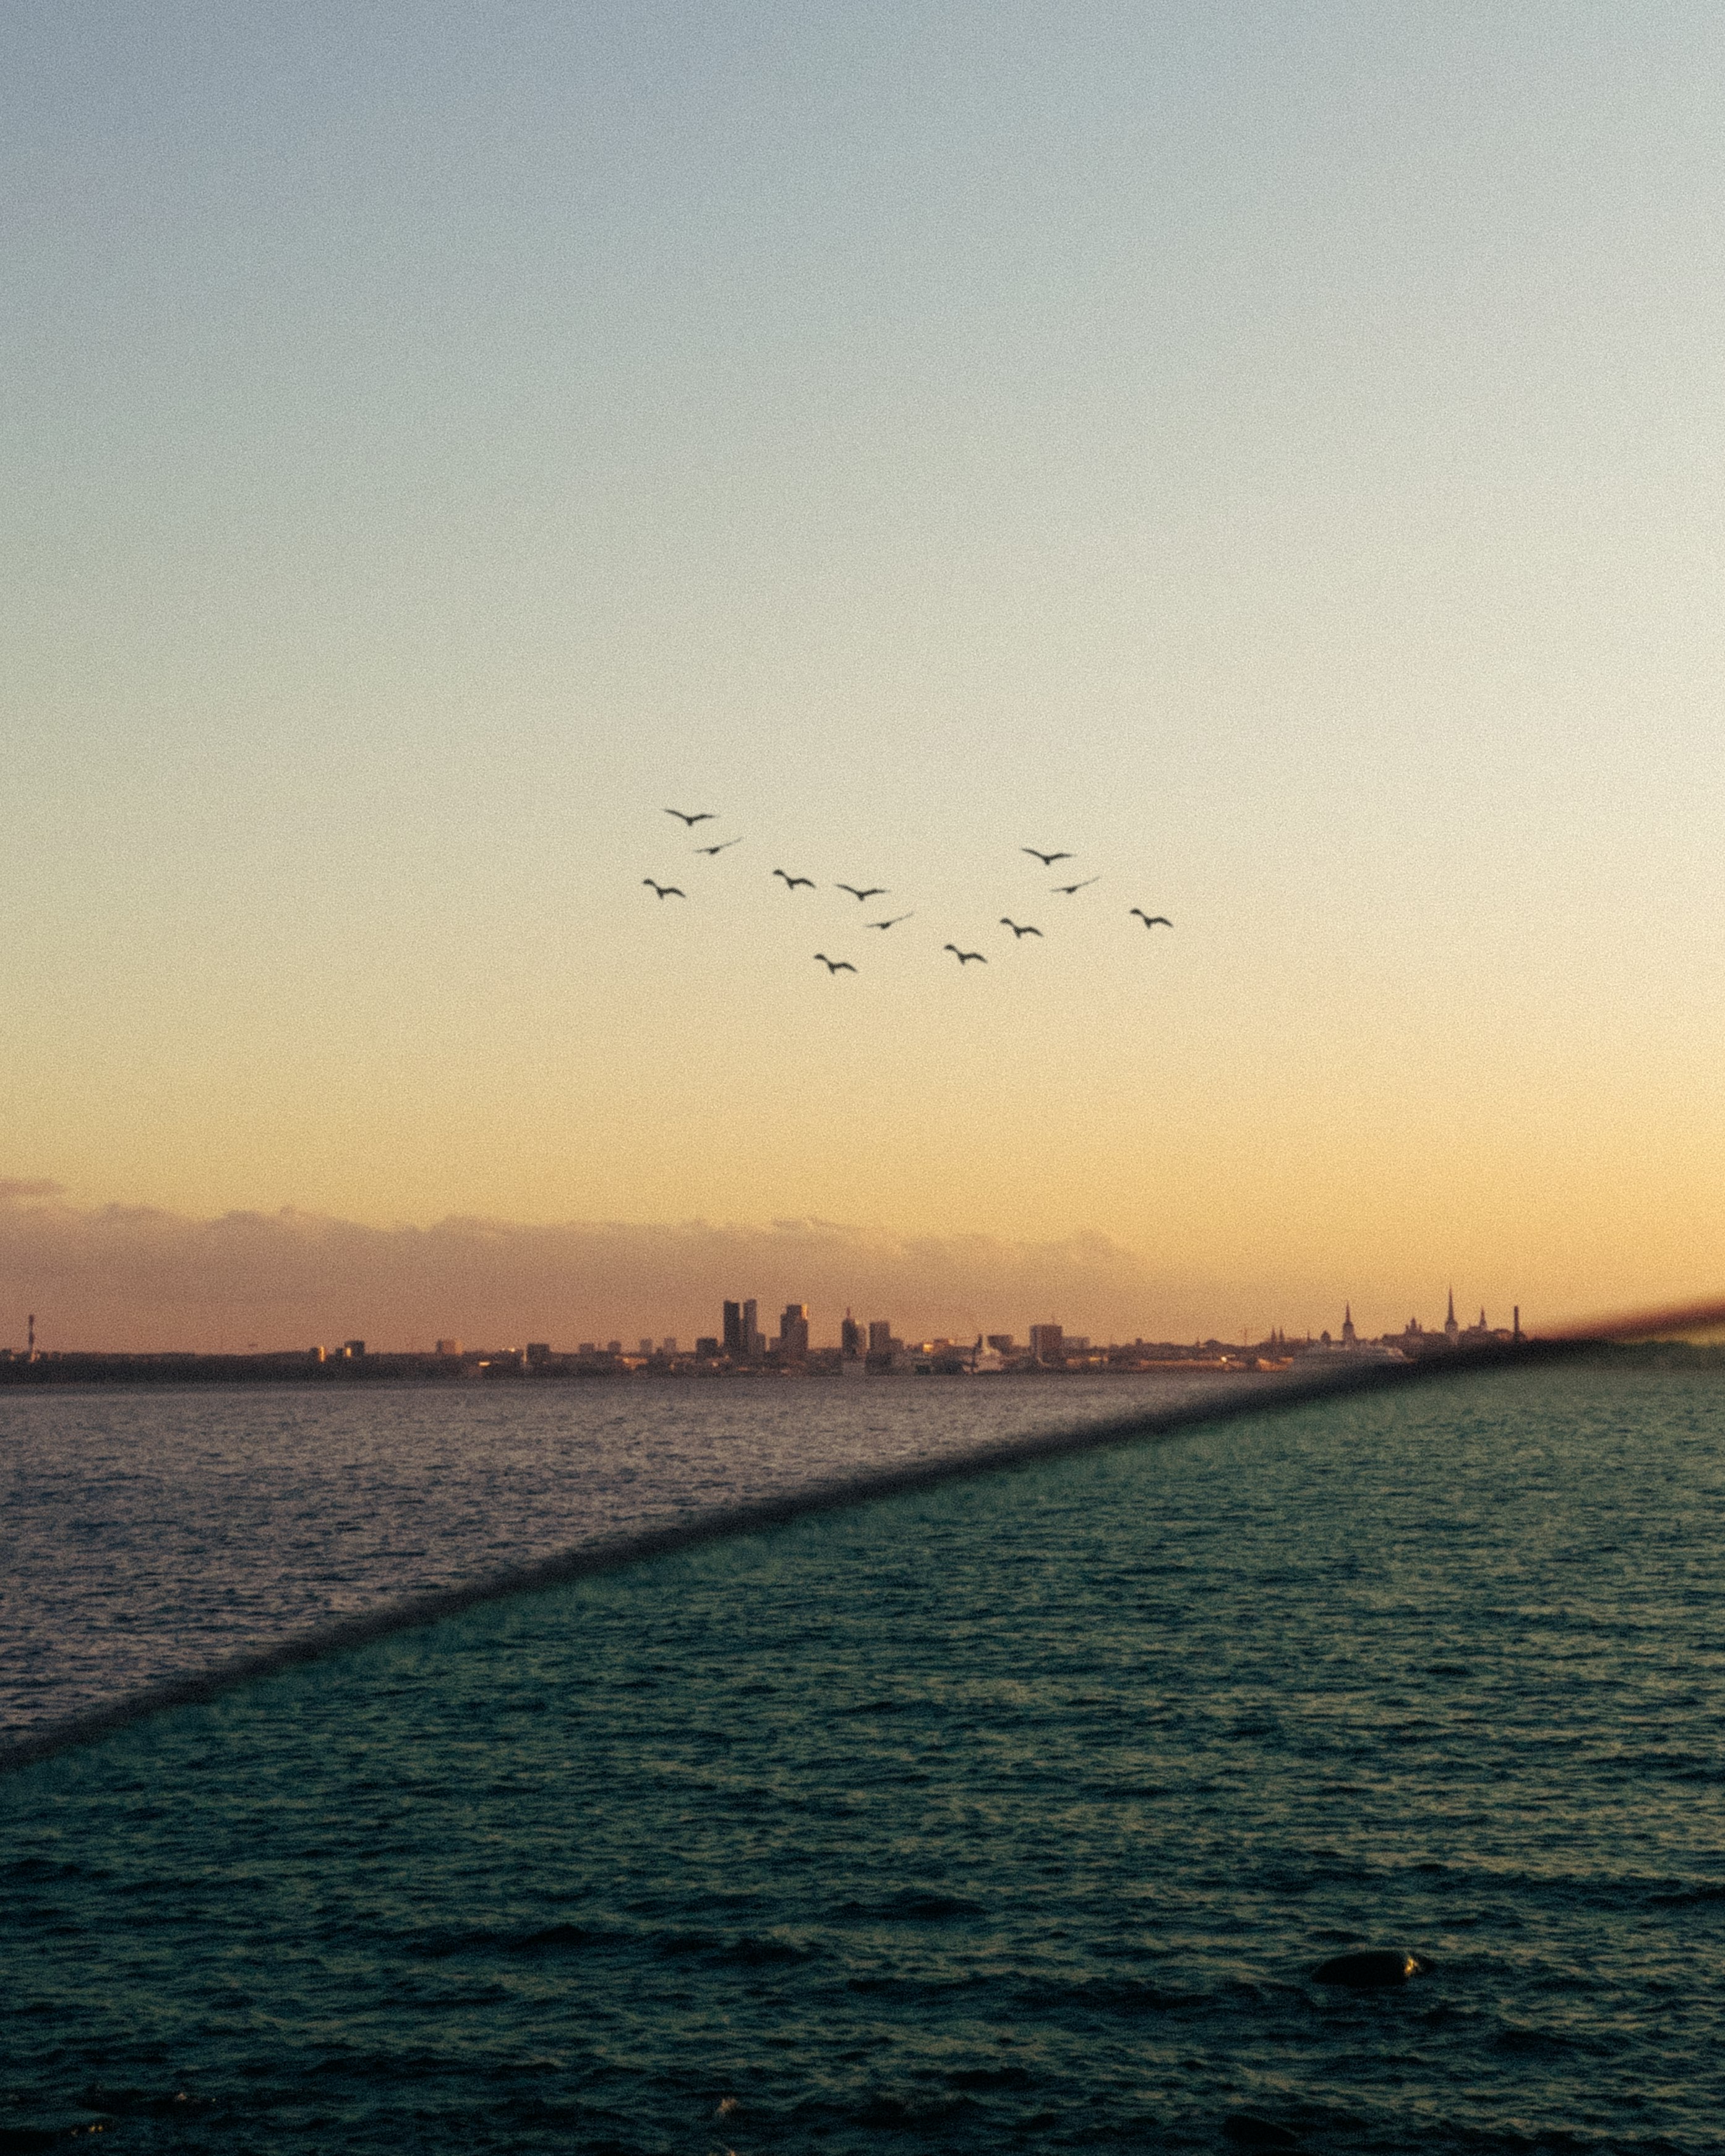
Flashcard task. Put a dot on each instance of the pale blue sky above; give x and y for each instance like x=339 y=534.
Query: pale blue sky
x=1275 y=452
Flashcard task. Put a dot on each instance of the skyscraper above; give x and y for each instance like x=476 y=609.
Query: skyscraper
x=736 y=1345
x=794 y=1332
x=850 y=1337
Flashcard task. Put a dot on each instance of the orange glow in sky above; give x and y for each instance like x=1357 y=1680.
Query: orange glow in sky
x=1273 y=460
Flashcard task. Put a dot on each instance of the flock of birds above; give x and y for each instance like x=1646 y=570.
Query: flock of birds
x=863 y=894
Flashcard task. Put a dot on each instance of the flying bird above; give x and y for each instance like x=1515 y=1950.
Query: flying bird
x=791 y=881
x=874 y=890
x=663 y=890
x=964 y=958
x=893 y=923
x=1066 y=889
x=1026 y=931
x=701 y=816
x=719 y=848
x=1047 y=860
x=1150 y=920
x=836 y=965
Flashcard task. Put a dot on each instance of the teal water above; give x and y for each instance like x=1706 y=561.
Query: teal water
x=1017 y=1813
x=148 y=1532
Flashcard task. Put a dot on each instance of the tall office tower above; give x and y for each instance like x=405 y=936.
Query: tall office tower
x=1047 y=1343
x=794 y=1331
x=850 y=1337
x=754 y=1341
x=735 y=1341
x=880 y=1336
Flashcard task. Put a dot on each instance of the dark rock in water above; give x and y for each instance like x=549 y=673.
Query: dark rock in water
x=1250 y=2132
x=1368 y=1972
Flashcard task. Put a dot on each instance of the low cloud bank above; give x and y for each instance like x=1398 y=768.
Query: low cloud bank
x=124 y=1277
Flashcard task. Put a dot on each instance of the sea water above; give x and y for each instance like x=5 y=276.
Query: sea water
x=150 y=1532
x=1014 y=1814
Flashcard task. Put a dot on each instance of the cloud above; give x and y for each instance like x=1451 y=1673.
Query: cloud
x=131 y=1277
x=12 y=1191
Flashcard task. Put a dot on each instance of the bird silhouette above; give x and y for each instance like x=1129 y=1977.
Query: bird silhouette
x=791 y=881
x=1047 y=860
x=701 y=816
x=836 y=965
x=663 y=890
x=874 y=890
x=1026 y=931
x=1150 y=920
x=719 y=848
x=964 y=958
x=894 y=922
x=1066 y=889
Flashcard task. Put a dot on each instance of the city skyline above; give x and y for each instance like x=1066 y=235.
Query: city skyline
x=870 y=1347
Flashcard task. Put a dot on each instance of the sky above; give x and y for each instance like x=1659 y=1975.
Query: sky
x=1272 y=453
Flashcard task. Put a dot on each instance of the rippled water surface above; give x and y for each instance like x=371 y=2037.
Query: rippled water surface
x=147 y=1533
x=1013 y=1815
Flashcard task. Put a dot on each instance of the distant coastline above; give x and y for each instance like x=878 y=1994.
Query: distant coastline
x=296 y=1367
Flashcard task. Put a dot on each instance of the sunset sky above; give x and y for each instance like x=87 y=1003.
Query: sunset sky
x=1274 y=453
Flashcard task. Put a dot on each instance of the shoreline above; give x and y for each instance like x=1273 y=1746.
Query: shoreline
x=295 y=1370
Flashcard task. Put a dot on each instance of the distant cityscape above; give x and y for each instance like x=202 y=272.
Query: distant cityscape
x=864 y=1349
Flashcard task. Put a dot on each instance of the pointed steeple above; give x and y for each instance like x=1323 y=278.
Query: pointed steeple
x=1452 y=1331
x=1347 y=1332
